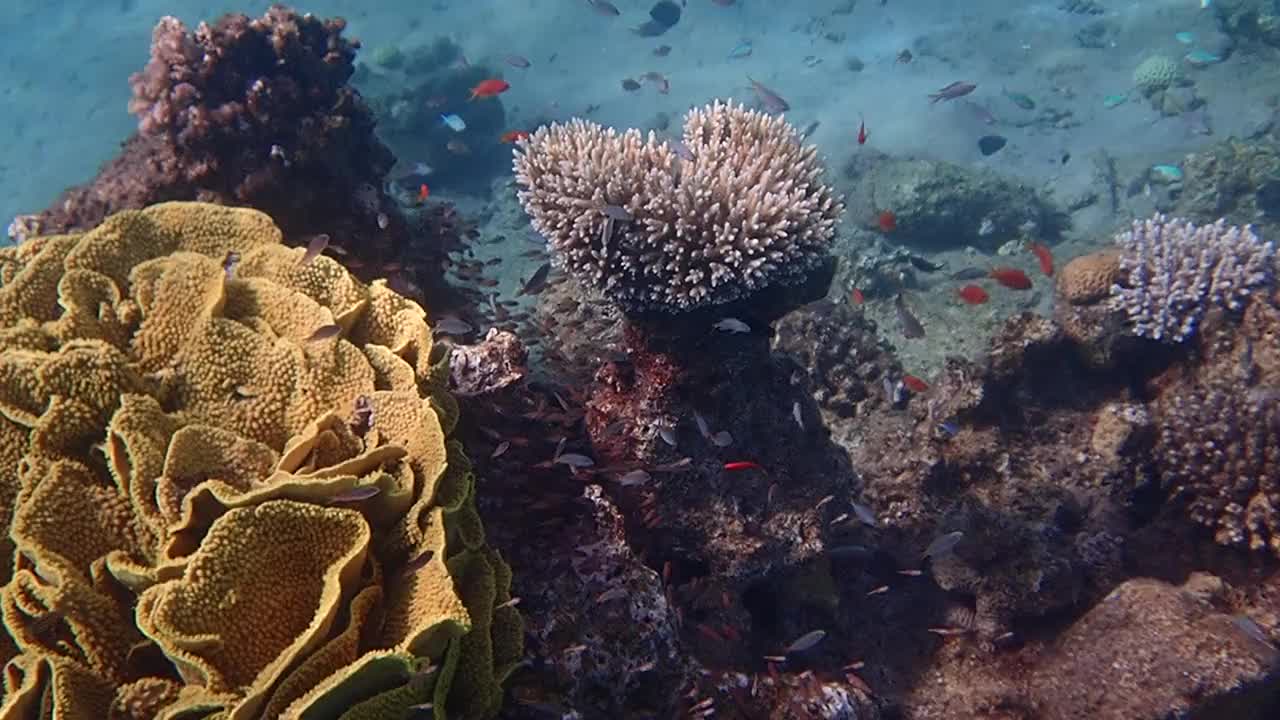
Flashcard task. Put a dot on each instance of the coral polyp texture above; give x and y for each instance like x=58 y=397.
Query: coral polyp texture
x=230 y=487
x=739 y=206
x=1177 y=272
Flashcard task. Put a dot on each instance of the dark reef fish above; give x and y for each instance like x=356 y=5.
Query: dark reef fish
x=538 y=282
x=664 y=15
x=911 y=326
x=920 y=263
x=771 y=100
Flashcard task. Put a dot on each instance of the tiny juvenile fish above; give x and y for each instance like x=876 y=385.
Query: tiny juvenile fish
x=325 y=332
x=911 y=326
x=617 y=212
x=229 y=264
x=741 y=50
x=315 y=246
x=575 y=460
x=500 y=450
x=771 y=100
x=732 y=325
x=536 y=282
x=806 y=641
x=797 y=414
x=450 y=325
x=969 y=273
x=364 y=492
x=454 y=122
x=943 y=544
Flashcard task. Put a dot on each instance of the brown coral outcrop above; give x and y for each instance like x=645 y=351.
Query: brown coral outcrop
x=1088 y=278
x=210 y=502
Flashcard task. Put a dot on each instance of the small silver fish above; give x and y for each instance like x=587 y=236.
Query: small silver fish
x=722 y=439
x=575 y=460
x=536 y=282
x=617 y=212
x=864 y=514
x=635 y=477
x=383 y=221
x=229 y=263
x=510 y=603
x=325 y=332
x=611 y=594
x=315 y=246
x=450 y=325
x=798 y=414
x=805 y=641
x=911 y=326
x=500 y=450
x=364 y=492
x=703 y=428
x=668 y=436
x=943 y=544
x=732 y=325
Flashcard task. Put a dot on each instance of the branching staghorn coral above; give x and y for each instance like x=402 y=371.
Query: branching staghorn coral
x=1178 y=271
x=229 y=485
x=739 y=206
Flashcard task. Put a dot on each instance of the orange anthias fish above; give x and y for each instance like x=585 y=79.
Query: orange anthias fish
x=1011 y=278
x=490 y=88
x=862 y=132
x=914 y=384
x=511 y=136
x=973 y=294
x=742 y=465
x=1042 y=253
x=887 y=221
x=856 y=297
x=423 y=192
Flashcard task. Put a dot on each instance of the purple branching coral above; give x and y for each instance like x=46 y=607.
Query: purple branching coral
x=1178 y=271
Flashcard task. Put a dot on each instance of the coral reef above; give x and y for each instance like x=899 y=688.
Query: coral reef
x=1175 y=272
x=252 y=112
x=1234 y=179
x=837 y=345
x=1156 y=74
x=941 y=206
x=230 y=487
x=738 y=206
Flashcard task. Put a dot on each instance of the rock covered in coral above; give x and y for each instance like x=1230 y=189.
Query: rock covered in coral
x=192 y=411
x=1085 y=311
x=495 y=363
x=846 y=360
x=253 y=112
x=940 y=206
x=1175 y=272
x=1152 y=650
x=736 y=206
x=1236 y=178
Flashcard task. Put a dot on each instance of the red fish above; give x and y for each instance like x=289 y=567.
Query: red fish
x=742 y=465
x=1045 y=257
x=856 y=297
x=489 y=88
x=862 y=132
x=973 y=294
x=914 y=384
x=423 y=192
x=1011 y=278
x=887 y=221
x=511 y=136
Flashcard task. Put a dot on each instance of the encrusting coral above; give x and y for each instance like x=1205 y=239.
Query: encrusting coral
x=738 y=206
x=230 y=487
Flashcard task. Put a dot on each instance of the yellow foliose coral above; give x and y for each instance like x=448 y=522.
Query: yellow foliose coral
x=215 y=510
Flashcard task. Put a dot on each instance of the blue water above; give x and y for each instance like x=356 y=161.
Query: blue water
x=66 y=66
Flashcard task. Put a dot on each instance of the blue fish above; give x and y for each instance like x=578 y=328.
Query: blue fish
x=454 y=122
x=741 y=50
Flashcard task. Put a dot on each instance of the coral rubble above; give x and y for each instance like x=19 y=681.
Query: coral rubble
x=230 y=486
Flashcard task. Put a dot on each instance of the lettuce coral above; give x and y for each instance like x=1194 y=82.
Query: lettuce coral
x=215 y=510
